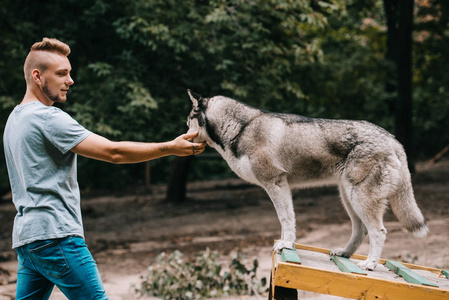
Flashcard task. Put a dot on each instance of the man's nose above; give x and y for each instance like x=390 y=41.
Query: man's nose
x=70 y=80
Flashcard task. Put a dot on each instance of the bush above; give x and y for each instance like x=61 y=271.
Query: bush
x=172 y=276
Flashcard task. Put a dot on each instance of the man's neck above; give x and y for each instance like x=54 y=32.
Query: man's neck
x=31 y=96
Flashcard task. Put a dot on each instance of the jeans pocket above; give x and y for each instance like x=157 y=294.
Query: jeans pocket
x=49 y=258
x=20 y=265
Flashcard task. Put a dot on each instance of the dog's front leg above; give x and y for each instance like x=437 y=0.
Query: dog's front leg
x=280 y=194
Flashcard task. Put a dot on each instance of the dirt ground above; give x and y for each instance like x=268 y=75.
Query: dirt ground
x=126 y=231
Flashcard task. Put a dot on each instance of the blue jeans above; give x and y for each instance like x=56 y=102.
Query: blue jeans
x=66 y=263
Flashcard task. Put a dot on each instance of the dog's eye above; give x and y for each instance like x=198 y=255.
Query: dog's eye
x=201 y=121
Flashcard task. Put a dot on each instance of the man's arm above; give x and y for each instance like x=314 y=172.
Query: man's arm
x=100 y=148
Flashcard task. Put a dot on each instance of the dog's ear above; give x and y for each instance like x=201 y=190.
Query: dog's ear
x=197 y=100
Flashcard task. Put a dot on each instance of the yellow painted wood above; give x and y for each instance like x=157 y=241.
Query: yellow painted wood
x=363 y=257
x=351 y=285
x=274 y=265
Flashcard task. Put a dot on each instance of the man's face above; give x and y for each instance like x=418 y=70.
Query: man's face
x=56 y=80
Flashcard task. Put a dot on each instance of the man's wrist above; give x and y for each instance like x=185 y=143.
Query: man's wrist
x=166 y=148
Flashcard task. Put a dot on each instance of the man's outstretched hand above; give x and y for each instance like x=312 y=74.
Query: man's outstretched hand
x=183 y=146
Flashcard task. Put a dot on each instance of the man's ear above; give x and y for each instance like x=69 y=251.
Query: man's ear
x=36 y=75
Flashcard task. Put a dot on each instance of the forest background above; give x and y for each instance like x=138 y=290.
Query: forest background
x=381 y=61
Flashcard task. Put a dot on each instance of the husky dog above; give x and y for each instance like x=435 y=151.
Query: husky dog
x=281 y=151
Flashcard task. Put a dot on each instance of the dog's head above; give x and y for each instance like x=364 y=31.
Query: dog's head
x=197 y=117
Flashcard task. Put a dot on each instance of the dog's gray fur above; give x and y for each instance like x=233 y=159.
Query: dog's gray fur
x=282 y=151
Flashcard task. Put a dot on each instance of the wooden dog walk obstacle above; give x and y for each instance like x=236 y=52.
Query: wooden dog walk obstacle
x=312 y=269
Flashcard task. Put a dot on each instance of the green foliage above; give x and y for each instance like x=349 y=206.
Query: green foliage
x=134 y=60
x=431 y=92
x=248 y=49
x=349 y=83
x=173 y=276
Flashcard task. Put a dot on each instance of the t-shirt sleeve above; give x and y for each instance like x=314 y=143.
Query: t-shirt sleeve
x=63 y=131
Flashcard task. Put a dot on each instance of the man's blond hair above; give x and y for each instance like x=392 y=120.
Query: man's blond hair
x=38 y=57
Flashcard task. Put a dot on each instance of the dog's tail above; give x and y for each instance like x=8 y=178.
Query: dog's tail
x=404 y=205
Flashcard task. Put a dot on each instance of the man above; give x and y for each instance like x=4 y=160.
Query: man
x=41 y=143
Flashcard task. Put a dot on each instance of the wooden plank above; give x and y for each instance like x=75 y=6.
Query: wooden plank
x=408 y=274
x=363 y=257
x=346 y=265
x=274 y=266
x=290 y=255
x=352 y=286
x=327 y=251
x=279 y=292
x=445 y=273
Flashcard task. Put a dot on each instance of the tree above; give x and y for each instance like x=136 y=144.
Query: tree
x=177 y=185
x=430 y=78
x=134 y=60
x=254 y=50
x=399 y=14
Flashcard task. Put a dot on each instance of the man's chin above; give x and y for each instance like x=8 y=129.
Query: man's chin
x=60 y=100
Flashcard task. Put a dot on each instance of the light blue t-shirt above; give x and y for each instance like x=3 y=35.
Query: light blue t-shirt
x=42 y=172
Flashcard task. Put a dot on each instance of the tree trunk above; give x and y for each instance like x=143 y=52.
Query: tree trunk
x=147 y=175
x=399 y=15
x=404 y=112
x=392 y=51
x=176 y=191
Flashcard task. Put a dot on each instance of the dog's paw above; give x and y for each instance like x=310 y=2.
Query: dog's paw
x=368 y=264
x=281 y=244
x=340 y=252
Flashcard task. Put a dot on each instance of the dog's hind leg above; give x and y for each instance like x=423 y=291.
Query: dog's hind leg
x=370 y=209
x=359 y=230
x=280 y=194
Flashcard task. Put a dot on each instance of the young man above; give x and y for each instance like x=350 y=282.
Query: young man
x=41 y=143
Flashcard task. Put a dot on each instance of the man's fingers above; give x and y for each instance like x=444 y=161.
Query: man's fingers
x=197 y=148
x=199 y=145
x=190 y=135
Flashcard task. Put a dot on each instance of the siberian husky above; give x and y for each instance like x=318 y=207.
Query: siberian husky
x=281 y=151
